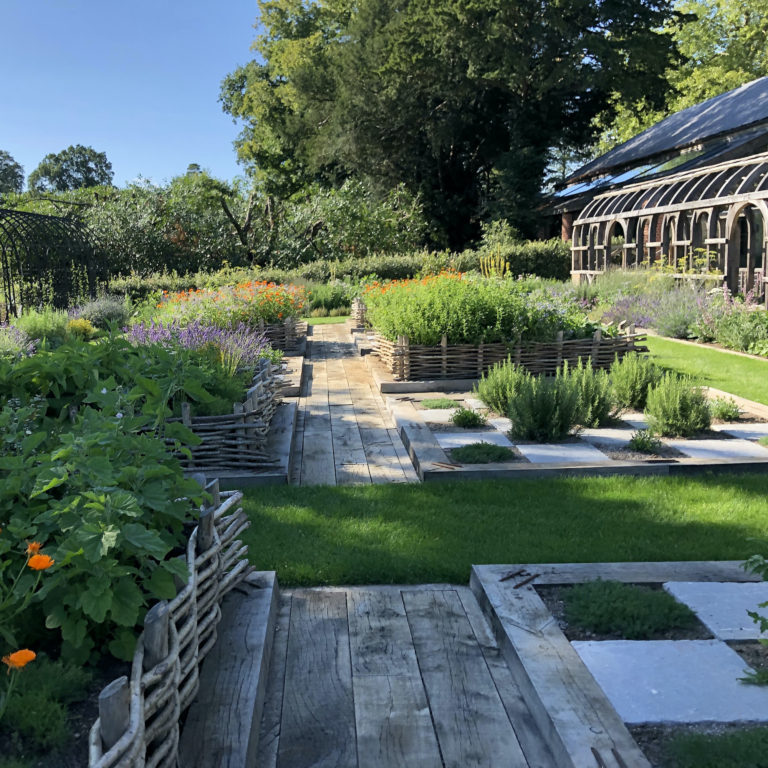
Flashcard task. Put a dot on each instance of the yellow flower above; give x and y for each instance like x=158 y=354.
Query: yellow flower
x=33 y=547
x=40 y=562
x=19 y=659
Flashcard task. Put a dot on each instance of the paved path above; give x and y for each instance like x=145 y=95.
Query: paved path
x=344 y=434
x=392 y=677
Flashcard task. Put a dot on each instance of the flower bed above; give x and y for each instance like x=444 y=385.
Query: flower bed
x=272 y=309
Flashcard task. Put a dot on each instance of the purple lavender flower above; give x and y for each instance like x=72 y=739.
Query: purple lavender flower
x=238 y=347
x=13 y=341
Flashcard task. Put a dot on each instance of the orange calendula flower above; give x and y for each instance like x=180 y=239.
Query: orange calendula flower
x=19 y=659
x=33 y=547
x=40 y=562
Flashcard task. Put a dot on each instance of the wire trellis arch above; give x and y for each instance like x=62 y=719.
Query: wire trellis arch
x=45 y=260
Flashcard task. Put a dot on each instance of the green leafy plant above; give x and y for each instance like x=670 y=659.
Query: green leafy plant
x=763 y=441
x=675 y=407
x=740 y=749
x=81 y=328
x=631 y=377
x=724 y=409
x=106 y=311
x=545 y=408
x=438 y=403
x=625 y=610
x=467 y=418
x=499 y=385
x=597 y=405
x=644 y=441
x=483 y=453
x=50 y=324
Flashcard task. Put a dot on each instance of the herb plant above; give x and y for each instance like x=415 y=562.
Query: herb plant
x=675 y=407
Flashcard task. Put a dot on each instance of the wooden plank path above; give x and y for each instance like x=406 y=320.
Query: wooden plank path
x=392 y=677
x=344 y=433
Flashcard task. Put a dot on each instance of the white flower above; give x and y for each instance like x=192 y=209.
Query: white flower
x=118 y=415
x=104 y=391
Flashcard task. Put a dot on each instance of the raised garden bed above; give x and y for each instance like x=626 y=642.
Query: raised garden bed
x=414 y=362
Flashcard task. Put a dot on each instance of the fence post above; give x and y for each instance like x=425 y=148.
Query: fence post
x=114 y=711
x=559 y=345
x=480 y=359
x=596 y=340
x=205 y=530
x=156 y=634
x=444 y=356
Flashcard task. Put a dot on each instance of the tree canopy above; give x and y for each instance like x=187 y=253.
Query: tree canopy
x=11 y=173
x=73 y=168
x=722 y=44
x=460 y=102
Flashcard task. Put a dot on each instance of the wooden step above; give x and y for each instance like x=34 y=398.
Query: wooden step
x=222 y=726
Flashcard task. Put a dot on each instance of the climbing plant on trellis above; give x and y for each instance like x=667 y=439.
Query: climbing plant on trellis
x=44 y=260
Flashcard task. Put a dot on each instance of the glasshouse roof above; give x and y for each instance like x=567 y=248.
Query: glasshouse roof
x=743 y=106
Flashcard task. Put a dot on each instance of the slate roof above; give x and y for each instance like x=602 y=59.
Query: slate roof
x=731 y=111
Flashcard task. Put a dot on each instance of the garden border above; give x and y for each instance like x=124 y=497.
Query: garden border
x=432 y=463
x=138 y=720
x=547 y=667
x=468 y=362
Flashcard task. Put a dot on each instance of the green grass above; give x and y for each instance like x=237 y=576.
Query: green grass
x=763 y=441
x=325 y=320
x=439 y=403
x=434 y=532
x=482 y=453
x=740 y=749
x=627 y=611
x=741 y=376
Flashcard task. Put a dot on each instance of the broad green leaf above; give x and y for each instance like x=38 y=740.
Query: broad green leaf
x=177 y=431
x=123 y=645
x=160 y=584
x=126 y=602
x=96 y=603
x=145 y=541
x=50 y=477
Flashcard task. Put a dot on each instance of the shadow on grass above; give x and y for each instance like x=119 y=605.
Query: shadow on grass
x=434 y=533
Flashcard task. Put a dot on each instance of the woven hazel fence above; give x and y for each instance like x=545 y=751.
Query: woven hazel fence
x=286 y=335
x=138 y=722
x=410 y=362
x=238 y=440
x=358 y=311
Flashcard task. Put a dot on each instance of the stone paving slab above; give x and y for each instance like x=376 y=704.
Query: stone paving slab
x=448 y=440
x=747 y=431
x=502 y=423
x=610 y=437
x=562 y=453
x=437 y=415
x=719 y=449
x=674 y=681
x=723 y=607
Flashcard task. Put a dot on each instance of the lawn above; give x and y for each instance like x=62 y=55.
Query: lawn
x=738 y=375
x=326 y=320
x=434 y=532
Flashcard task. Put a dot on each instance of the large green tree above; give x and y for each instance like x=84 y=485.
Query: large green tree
x=11 y=173
x=73 y=168
x=460 y=101
x=723 y=46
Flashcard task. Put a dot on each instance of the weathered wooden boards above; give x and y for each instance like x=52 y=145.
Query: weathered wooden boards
x=222 y=726
x=570 y=708
x=345 y=435
x=387 y=677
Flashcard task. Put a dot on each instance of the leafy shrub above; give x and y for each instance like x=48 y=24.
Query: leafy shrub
x=470 y=311
x=50 y=324
x=38 y=711
x=625 y=610
x=14 y=342
x=467 y=418
x=744 y=329
x=499 y=385
x=676 y=407
x=544 y=408
x=763 y=441
x=80 y=328
x=724 y=409
x=545 y=258
x=631 y=377
x=644 y=441
x=482 y=453
x=677 y=312
x=597 y=404
x=105 y=312
x=737 y=749
x=438 y=403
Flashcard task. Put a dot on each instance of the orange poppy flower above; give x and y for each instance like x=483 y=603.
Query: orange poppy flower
x=19 y=659
x=40 y=562
x=33 y=547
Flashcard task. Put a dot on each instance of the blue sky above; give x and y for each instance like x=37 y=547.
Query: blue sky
x=138 y=80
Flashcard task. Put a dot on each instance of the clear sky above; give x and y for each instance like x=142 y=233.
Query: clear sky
x=138 y=80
